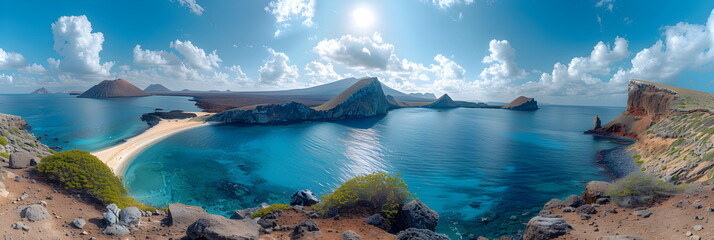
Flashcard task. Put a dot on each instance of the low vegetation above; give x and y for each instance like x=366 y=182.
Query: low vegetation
x=639 y=189
x=378 y=192
x=5 y=155
x=270 y=209
x=3 y=141
x=82 y=172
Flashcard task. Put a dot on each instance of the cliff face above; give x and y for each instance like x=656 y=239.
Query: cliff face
x=14 y=130
x=364 y=98
x=443 y=102
x=523 y=104
x=112 y=89
x=674 y=128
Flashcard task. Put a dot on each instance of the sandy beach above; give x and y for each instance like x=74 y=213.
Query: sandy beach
x=118 y=156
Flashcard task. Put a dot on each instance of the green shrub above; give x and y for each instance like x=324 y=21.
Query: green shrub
x=5 y=155
x=639 y=162
x=676 y=142
x=3 y=141
x=638 y=188
x=664 y=168
x=379 y=192
x=637 y=157
x=270 y=209
x=82 y=172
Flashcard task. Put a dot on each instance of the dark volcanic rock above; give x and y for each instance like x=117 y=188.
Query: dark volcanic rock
x=522 y=103
x=303 y=229
x=379 y=221
x=156 y=88
x=41 y=90
x=574 y=201
x=420 y=234
x=595 y=190
x=363 y=99
x=597 y=123
x=416 y=215
x=154 y=117
x=112 y=89
x=304 y=198
x=214 y=227
x=539 y=228
x=443 y=102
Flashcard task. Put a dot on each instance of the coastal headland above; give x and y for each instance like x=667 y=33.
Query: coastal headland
x=118 y=156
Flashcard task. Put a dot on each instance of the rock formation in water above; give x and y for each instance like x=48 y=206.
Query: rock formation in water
x=443 y=102
x=156 y=88
x=674 y=128
x=14 y=138
x=523 y=104
x=41 y=90
x=363 y=99
x=113 y=89
x=597 y=123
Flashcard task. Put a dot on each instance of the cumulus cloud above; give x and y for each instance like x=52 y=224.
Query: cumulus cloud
x=193 y=6
x=11 y=60
x=240 y=76
x=35 y=68
x=80 y=48
x=195 y=56
x=502 y=59
x=362 y=53
x=607 y=4
x=288 y=11
x=444 y=4
x=277 y=71
x=150 y=58
x=321 y=72
x=6 y=79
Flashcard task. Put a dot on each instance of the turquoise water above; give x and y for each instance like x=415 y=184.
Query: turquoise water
x=467 y=164
x=87 y=124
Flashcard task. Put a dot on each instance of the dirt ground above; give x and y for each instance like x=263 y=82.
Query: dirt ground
x=667 y=222
x=329 y=228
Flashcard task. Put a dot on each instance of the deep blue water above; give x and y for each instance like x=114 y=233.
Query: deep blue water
x=88 y=124
x=467 y=164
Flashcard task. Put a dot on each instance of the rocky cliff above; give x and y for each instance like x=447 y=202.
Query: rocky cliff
x=523 y=104
x=674 y=128
x=363 y=99
x=15 y=138
x=113 y=89
x=156 y=88
x=443 y=102
x=41 y=90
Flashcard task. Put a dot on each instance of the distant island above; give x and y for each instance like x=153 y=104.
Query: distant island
x=522 y=103
x=113 y=89
x=156 y=88
x=41 y=90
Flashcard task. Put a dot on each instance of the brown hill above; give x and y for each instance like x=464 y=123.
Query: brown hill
x=522 y=103
x=113 y=89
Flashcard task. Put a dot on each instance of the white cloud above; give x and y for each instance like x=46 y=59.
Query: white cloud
x=240 y=76
x=193 y=6
x=150 y=58
x=288 y=11
x=6 y=79
x=80 y=48
x=607 y=4
x=444 y=4
x=362 y=53
x=321 y=72
x=503 y=65
x=195 y=56
x=277 y=70
x=35 y=68
x=11 y=60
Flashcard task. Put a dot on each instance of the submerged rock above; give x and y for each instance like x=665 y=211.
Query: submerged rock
x=304 y=198
x=415 y=214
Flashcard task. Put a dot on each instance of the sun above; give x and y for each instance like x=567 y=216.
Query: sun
x=363 y=17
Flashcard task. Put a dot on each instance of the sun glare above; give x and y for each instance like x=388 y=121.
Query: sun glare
x=363 y=17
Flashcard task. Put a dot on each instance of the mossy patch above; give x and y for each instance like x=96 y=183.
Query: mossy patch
x=3 y=141
x=270 y=209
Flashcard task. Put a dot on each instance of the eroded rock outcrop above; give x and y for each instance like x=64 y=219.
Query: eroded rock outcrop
x=363 y=99
x=522 y=103
x=14 y=137
x=214 y=227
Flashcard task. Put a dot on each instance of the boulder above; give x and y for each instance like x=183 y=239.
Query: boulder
x=595 y=190
x=553 y=203
x=130 y=216
x=116 y=230
x=379 y=221
x=539 y=228
x=111 y=216
x=246 y=213
x=416 y=215
x=350 y=235
x=586 y=209
x=20 y=160
x=574 y=201
x=34 y=213
x=270 y=220
x=620 y=237
x=210 y=227
x=643 y=213
x=420 y=234
x=78 y=223
x=182 y=215
x=305 y=229
x=304 y=198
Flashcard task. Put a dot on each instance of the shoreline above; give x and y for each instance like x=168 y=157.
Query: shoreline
x=117 y=157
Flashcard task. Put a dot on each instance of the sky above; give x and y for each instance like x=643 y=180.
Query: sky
x=558 y=51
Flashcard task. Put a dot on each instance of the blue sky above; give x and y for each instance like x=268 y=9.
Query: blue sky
x=562 y=52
